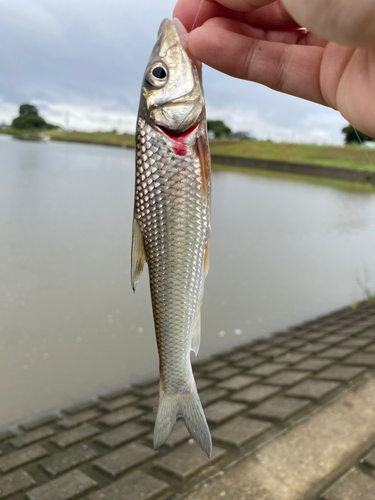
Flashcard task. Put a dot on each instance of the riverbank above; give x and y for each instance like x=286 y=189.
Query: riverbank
x=291 y=415
x=343 y=157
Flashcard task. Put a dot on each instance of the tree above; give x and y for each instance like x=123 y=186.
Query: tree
x=29 y=119
x=27 y=110
x=218 y=127
x=351 y=135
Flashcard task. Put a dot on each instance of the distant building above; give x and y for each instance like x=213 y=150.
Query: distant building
x=3 y=126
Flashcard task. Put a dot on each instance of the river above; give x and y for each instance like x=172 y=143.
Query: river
x=282 y=252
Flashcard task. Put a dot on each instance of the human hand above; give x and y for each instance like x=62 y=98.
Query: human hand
x=262 y=41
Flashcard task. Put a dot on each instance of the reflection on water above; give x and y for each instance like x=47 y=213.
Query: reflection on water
x=70 y=326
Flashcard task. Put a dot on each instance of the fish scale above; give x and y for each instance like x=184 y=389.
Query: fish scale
x=175 y=265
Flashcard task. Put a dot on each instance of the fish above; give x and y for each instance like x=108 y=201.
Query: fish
x=171 y=222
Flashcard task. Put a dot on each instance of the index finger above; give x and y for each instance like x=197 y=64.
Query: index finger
x=271 y=16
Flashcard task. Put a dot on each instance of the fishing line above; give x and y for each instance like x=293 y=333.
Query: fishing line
x=196 y=17
x=364 y=147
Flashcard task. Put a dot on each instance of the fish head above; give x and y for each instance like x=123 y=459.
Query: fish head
x=172 y=95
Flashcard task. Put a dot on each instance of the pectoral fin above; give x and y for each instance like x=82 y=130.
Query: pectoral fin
x=138 y=254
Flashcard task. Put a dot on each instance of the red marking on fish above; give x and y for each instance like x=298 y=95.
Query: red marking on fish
x=179 y=141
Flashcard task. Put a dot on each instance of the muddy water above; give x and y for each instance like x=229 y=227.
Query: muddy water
x=70 y=326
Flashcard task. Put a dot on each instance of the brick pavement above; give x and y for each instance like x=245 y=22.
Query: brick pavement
x=102 y=449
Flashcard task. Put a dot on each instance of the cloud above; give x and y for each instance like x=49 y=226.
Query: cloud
x=87 y=59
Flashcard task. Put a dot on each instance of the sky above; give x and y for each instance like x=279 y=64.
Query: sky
x=81 y=63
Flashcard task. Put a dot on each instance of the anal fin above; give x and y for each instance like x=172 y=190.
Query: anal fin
x=196 y=332
x=138 y=254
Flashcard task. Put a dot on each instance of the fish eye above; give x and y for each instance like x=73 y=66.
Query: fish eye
x=157 y=75
x=159 y=72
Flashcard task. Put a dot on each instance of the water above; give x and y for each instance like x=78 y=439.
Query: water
x=70 y=326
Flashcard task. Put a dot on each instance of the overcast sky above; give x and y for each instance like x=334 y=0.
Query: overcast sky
x=81 y=62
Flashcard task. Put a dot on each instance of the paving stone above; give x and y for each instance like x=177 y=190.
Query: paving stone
x=211 y=395
x=124 y=391
x=202 y=383
x=240 y=431
x=148 y=391
x=313 y=364
x=354 y=485
x=121 y=416
x=295 y=343
x=364 y=359
x=79 y=418
x=39 y=422
x=238 y=382
x=187 y=460
x=250 y=362
x=214 y=365
x=287 y=378
x=121 y=435
x=223 y=373
x=82 y=406
x=255 y=394
x=370 y=348
x=178 y=435
x=237 y=356
x=267 y=369
x=258 y=347
x=336 y=352
x=333 y=339
x=150 y=402
x=6 y=435
x=279 y=408
x=313 y=347
x=351 y=329
x=313 y=335
x=136 y=485
x=150 y=418
x=124 y=458
x=14 y=483
x=223 y=410
x=291 y=357
x=22 y=457
x=356 y=342
x=32 y=437
x=115 y=404
x=275 y=351
x=313 y=389
x=341 y=373
x=62 y=462
x=66 y=487
x=369 y=459
x=67 y=438
x=367 y=334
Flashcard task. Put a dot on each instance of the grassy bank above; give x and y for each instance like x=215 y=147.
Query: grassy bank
x=104 y=138
x=350 y=157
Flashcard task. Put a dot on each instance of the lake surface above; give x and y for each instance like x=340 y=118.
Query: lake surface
x=70 y=326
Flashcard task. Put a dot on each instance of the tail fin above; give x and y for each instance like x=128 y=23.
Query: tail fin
x=188 y=407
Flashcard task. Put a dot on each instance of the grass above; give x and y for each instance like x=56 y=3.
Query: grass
x=104 y=138
x=351 y=157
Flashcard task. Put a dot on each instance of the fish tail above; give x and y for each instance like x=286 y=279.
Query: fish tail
x=189 y=408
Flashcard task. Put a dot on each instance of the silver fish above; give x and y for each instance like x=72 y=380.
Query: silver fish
x=171 y=225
